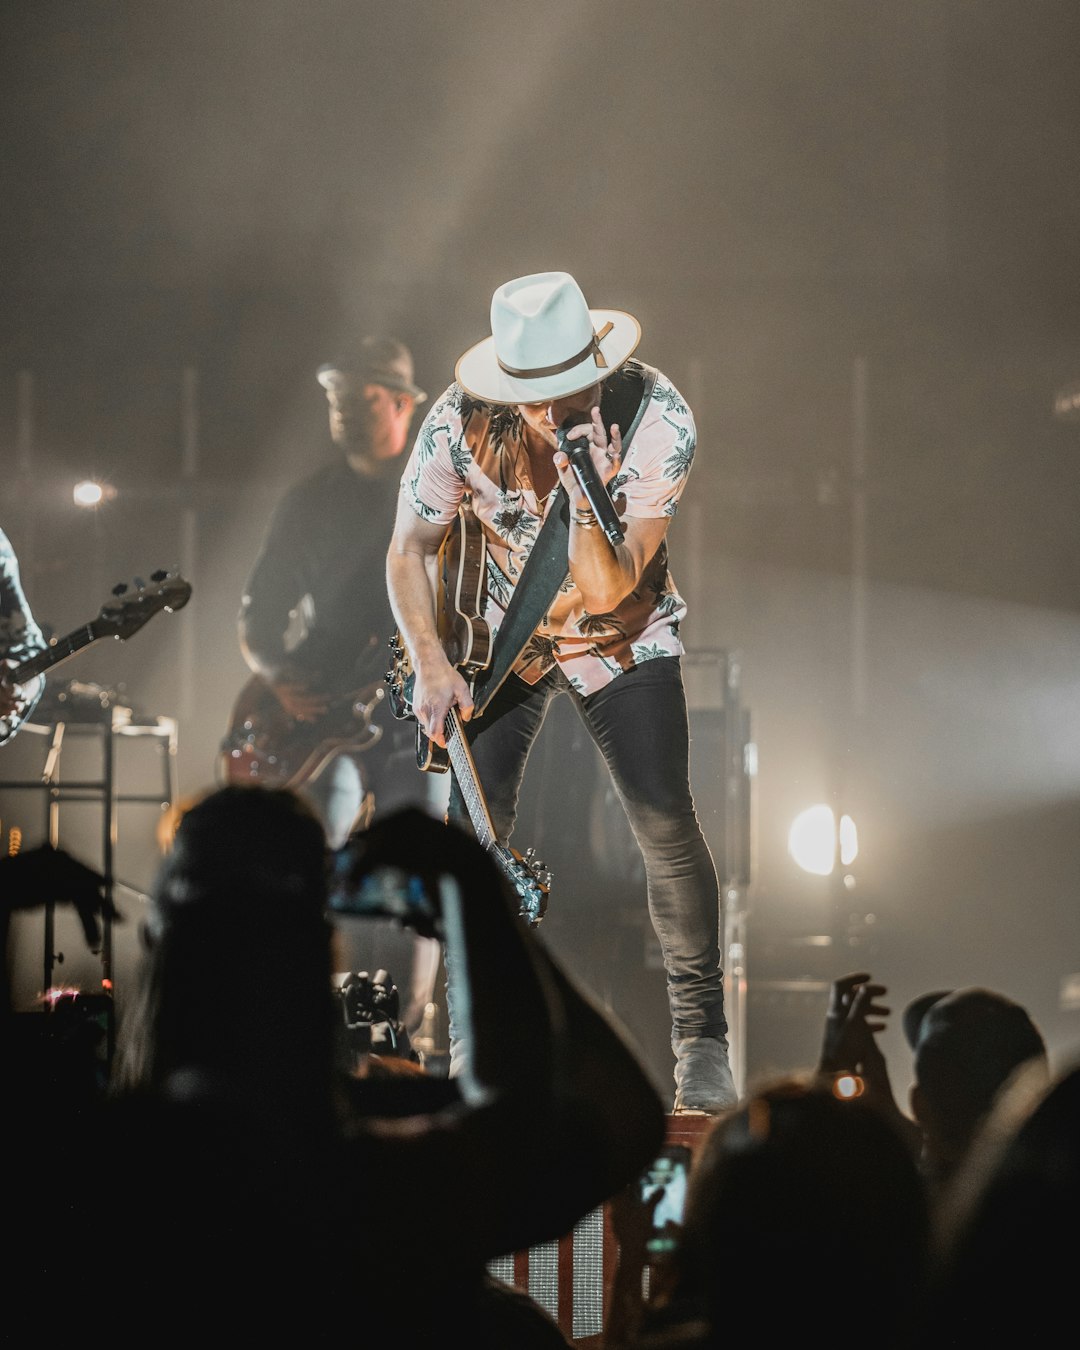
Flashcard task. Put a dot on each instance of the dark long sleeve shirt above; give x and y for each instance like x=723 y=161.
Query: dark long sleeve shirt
x=315 y=606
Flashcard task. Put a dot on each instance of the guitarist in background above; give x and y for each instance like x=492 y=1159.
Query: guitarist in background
x=556 y=379
x=20 y=637
x=314 y=619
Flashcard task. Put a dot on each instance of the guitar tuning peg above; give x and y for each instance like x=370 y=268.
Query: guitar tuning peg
x=140 y=584
x=159 y=575
x=120 y=588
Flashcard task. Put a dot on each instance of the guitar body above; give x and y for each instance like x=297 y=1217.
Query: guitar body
x=266 y=745
x=463 y=631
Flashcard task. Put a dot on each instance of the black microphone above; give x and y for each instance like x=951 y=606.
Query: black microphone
x=588 y=479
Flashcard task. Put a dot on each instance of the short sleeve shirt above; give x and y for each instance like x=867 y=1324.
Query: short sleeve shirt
x=20 y=636
x=466 y=449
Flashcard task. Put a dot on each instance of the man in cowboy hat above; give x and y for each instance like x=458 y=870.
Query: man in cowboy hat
x=313 y=628
x=556 y=377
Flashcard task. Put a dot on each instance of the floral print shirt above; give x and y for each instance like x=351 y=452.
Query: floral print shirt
x=469 y=449
x=20 y=636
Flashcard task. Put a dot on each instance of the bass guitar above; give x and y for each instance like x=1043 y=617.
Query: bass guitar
x=119 y=618
x=466 y=639
x=266 y=745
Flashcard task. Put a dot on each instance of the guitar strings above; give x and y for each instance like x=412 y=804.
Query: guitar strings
x=462 y=760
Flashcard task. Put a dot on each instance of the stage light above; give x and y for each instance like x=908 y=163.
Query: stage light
x=88 y=494
x=815 y=840
x=849 y=841
x=812 y=840
x=1067 y=402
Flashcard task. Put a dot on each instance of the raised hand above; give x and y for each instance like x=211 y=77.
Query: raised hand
x=38 y=876
x=849 y=1040
x=849 y=1044
x=392 y=868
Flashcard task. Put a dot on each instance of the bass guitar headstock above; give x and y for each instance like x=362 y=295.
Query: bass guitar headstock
x=399 y=680
x=131 y=606
x=530 y=879
x=528 y=876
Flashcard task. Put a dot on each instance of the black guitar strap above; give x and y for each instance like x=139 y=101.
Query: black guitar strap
x=624 y=400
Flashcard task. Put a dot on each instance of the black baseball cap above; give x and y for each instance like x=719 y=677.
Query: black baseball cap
x=376 y=360
x=916 y=1010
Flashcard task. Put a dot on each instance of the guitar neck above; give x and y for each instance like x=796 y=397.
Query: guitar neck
x=461 y=761
x=521 y=876
x=119 y=618
x=58 y=651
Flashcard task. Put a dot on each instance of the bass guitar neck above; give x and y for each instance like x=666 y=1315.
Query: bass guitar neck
x=129 y=608
x=466 y=640
x=528 y=876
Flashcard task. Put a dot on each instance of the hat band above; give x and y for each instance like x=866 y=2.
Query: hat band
x=540 y=372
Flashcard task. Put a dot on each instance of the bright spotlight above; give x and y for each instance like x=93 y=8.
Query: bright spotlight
x=1067 y=402
x=849 y=841
x=815 y=840
x=812 y=840
x=88 y=493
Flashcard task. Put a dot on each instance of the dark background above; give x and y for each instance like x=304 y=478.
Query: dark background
x=849 y=231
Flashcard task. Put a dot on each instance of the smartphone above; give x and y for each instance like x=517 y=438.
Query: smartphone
x=384 y=892
x=667 y=1175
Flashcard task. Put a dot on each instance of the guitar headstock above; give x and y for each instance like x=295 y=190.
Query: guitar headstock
x=530 y=879
x=400 y=679
x=131 y=606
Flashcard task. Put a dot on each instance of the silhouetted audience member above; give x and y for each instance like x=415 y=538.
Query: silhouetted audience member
x=242 y=1183
x=55 y=1059
x=968 y=1044
x=1005 y=1251
x=805 y=1214
x=509 y=1318
x=509 y=1315
x=52 y=1052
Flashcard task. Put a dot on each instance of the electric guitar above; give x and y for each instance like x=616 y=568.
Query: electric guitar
x=119 y=618
x=267 y=745
x=466 y=639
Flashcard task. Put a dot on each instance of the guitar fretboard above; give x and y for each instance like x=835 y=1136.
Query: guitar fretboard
x=59 y=650
x=461 y=761
x=531 y=894
x=528 y=879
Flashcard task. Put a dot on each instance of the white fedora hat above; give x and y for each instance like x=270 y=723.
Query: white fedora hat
x=545 y=342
